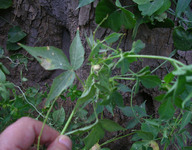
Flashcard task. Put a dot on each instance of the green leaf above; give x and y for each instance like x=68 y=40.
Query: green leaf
x=49 y=57
x=138 y=145
x=127 y=19
x=181 y=7
x=116 y=99
x=166 y=5
x=76 y=52
x=116 y=18
x=4 y=4
x=187 y=148
x=110 y=125
x=137 y=46
x=167 y=23
x=60 y=83
x=15 y=34
x=132 y=123
x=59 y=116
x=169 y=77
x=145 y=135
x=112 y=38
x=166 y=110
x=124 y=64
x=94 y=136
x=186 y=119
x=84 y=2
x=149 y=128
x=123 y=88
x=12 y=46
x=182 y=38
x=2 y=76
x=87 y=95
x=150 y=8
x=150 y=81
x=141 y=2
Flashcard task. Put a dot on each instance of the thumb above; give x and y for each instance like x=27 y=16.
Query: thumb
x=62 y=142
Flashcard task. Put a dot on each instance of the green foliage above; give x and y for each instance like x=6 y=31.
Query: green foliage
x=4 y=4
x=102 y=90
x=116 y=18
x=15 y=35
x=182 y=38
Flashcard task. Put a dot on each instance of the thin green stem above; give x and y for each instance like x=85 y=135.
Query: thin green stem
x=99 y=26
x=157 y=57
x=132 y=104
x=123 y=78
x=80 y=80
x=115 y=139
x=44 y=122
x=68 y=121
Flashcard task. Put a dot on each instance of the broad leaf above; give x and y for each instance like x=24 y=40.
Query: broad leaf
x=116 y=99
x=141 y=2
x=84 y=2
x=12 y=46
x=139 y=145
x=94 y=136
x=166 y=5
x=123 y=88
x=150 y=81
x=127 y=19
x=15 y=34
x=59 y=116
x=2 y=77
x=116 y=18
x=166 y=110
x=76 y=52
x=145 y=135
x=60 y=83
x=186 y=119
x=181 y=6
x=112 y=38
x=87 y=95
x=132 y=123
x=124 y=64
x=49 y=57
x=150 y=8
x=110 y=125
x=182 y=38
x=4 y=4
x=137 y=46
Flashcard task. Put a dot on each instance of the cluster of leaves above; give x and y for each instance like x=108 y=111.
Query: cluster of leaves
x=150 y=12
x=103 y=92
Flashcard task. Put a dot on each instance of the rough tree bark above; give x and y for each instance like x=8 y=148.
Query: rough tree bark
x=54 y=23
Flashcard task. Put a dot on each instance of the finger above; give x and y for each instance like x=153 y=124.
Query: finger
x=61 y=143
x=24 y=132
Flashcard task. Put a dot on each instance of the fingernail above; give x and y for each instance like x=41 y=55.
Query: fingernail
x=65 y=140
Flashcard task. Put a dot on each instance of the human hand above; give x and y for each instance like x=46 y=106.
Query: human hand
x=24 y=133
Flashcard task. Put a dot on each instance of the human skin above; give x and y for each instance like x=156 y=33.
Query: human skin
x=22 y=134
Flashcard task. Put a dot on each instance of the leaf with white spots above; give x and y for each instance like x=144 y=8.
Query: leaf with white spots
x=60 y=83
x=76 y=52
x=49 y=57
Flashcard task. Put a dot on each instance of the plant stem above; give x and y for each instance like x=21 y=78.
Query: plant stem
x=80 y=80
x=124 y=78
x=68 y=121
x=115 y=139
x=156 y=57
x=131 y=104
x=44 y=122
